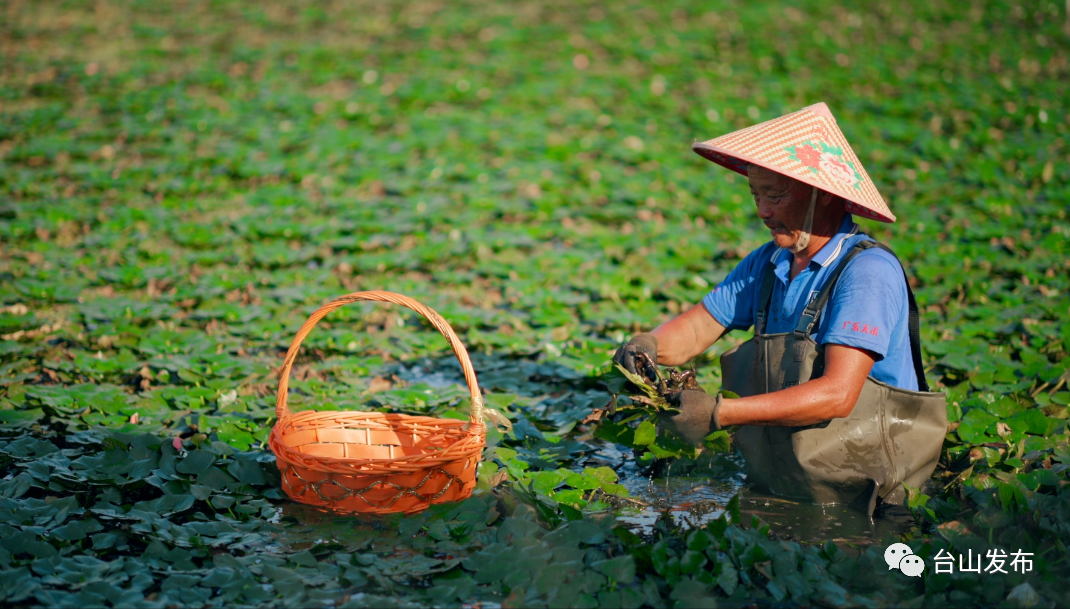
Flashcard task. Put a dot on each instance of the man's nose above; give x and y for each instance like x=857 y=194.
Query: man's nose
x=765 y=211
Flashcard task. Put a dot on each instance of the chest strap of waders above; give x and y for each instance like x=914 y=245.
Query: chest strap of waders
x=765 y=296
x=812 y=311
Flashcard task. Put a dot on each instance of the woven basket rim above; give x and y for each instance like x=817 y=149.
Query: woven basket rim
x=275 y=439
x=359 y=414
x=282 y=410
x=463 y=441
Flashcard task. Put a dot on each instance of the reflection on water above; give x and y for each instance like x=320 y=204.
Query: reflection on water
x=700 y=493
x=691 y=500
x=306 y=527
x=816 y=523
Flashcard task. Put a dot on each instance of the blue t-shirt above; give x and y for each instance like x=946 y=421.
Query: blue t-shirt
x=867 y=309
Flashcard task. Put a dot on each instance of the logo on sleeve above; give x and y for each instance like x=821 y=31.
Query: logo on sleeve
x=855 y=326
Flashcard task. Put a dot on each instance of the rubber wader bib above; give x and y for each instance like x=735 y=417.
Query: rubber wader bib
x=892 y=436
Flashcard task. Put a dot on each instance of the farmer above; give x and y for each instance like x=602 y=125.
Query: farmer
x=833 y=405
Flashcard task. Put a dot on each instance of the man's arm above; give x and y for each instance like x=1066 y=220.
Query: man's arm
x=678 y=340
x=830 y=396
x=686 y=335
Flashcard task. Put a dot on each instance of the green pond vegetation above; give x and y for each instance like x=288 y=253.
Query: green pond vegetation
x=182 y=184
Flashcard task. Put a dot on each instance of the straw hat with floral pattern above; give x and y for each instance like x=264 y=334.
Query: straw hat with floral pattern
x=806 y=145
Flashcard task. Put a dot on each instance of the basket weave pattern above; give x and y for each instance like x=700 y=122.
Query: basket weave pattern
x=375 y=462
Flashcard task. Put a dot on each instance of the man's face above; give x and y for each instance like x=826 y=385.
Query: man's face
x=782 y=203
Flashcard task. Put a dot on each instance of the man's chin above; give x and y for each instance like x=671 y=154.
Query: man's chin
x=784 y=241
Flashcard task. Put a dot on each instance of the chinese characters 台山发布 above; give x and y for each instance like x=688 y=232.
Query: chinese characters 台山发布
x=1020 y=562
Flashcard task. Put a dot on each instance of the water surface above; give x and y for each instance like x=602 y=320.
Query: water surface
x=693 y=499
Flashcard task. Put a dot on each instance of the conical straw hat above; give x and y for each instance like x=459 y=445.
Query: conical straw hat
x=805 y=145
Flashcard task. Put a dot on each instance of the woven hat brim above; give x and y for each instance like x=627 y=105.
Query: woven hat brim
x=774 y=144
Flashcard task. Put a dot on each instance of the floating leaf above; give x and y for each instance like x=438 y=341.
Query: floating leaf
x=196 y=462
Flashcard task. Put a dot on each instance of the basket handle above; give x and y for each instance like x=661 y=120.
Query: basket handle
x=440 y=324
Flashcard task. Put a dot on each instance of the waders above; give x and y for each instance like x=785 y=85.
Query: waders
x=892 y=436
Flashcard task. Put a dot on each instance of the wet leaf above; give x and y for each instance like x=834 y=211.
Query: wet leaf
x=196 y=462
x=644 y=434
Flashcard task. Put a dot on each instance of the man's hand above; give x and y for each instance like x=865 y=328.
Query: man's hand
x=686 y=335
x=640 y=343
x=698 y=415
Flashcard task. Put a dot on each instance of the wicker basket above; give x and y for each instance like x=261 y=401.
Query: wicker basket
x=373 y=462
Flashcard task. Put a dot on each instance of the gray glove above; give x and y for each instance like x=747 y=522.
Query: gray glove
x=640 y=343
x=698 y=415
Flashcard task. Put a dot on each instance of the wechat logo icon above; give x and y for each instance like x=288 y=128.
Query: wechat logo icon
x=900 y=556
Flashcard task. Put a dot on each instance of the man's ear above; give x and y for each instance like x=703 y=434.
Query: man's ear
x=825 y=198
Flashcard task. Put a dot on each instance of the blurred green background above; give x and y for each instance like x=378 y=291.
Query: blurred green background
x=525 y=167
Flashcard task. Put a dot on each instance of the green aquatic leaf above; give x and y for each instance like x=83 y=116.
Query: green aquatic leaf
x=975 y=424
x=546 y=482
x=615 y=379
x=603 y=474
x=1033 y=421
x=10 y=323
x=572 y=497
x=615 y=432
x=728 y=579
x=619 y=570
x=196 y=462
x=583 y=482
x=650 y=391
x=718 y=441
x=246 y=471
x=645 y=434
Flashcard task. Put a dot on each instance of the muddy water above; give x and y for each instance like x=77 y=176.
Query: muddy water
x=696 y=496
x=304 y=527
x=690 y=500
x=693 y=499
x=817 y=523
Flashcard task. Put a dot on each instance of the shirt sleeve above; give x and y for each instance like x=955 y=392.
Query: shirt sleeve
x=732 y=302
x=867 y=304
